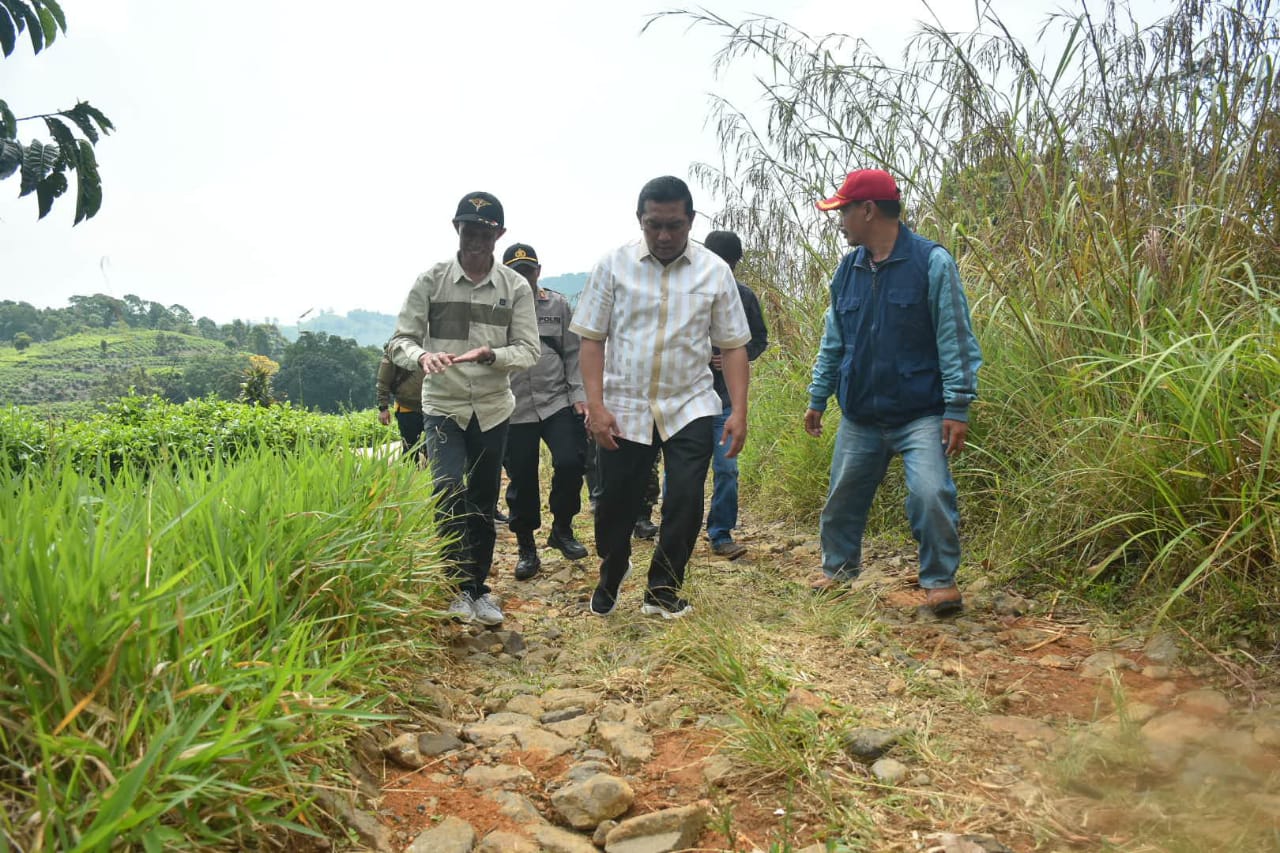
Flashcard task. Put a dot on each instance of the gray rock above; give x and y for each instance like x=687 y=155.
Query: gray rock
x=574 y=728
x=1099 y=664
x=660 y=711
x=496 y=776
x=403 y=751
x=1008 y=604
x=553 y=839
x=585 y=804
x=559 y=716
x=1025 y=729
x=602 y=832
x=889 y=771
x=716 y=768
x=452 y=835
x=372 y=834
x=1209 y=704
x=659 y=832
x=541 y=740
x=1162 y=648
x=524 y=704
x=438 y=743
x=555 y=700
x=507 y=842
x=512 y=641
x=867 y=744
x=516 y=806
x=629 y=745
x=584 y=770
x=495 y=727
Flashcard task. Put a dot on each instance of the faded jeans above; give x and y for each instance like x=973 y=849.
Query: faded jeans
x=858 y=465
x=722 y=517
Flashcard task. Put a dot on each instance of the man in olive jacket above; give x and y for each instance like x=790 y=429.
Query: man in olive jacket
x=468 y=324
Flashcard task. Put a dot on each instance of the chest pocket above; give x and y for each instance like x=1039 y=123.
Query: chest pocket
x=906 y=293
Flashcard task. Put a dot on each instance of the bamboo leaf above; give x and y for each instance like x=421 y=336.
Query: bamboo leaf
x=88 y=185
x=54 y=185
x=8 y=122
x=56 y=11
x=32 y=24
x=10 y=157
x=83 y=120
x=97 y=115
x=49 y=26
x=66 y=140
x=8 y=33
x=37 y=160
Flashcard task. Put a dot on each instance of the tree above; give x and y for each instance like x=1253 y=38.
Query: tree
x=42 y=166
x=255 y=388
x=21 y=341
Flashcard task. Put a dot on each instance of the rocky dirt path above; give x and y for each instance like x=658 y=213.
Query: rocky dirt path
x=774 y=721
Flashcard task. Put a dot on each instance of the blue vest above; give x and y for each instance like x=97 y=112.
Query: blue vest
x=889 y=373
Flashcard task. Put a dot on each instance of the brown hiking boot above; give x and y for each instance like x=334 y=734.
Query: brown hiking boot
x=944 y=601
x=732 y=550
x=820 y=584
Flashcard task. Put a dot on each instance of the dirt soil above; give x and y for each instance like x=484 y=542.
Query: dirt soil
x=1011 y=739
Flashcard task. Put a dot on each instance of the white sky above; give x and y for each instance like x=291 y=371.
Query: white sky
x=276 y=157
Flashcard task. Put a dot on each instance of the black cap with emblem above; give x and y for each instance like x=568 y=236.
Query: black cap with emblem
x=519 y=253
x=480 y=207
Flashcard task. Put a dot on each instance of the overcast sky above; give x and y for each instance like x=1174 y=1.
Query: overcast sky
x=277 y=157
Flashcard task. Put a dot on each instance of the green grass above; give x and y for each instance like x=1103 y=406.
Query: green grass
x=187 y=646
x=1112 y=213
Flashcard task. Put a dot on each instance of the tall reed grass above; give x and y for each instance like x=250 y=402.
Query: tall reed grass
x=185 y=646
x=1114 y=212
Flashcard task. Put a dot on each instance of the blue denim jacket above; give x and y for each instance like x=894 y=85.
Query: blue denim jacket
x=898 y=343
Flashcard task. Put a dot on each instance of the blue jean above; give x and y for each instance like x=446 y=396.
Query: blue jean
x=723 y=515
x=858 y=465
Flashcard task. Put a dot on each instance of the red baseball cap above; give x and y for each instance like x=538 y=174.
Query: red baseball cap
x=863 y=185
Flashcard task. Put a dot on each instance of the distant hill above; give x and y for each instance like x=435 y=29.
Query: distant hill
x=370 y=328
x=103 y=364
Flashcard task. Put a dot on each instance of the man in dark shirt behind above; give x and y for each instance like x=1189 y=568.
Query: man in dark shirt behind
x=722 y=517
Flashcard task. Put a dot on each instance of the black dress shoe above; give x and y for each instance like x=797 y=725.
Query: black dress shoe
x=562 y=538
x=500 y=517
x=645 y=529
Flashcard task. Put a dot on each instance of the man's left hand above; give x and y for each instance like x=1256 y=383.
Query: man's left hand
x=479 y=355
x=953 y=435
x=735 y=433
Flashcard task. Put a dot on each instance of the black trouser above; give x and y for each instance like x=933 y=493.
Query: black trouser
x=467 y=467
x=651 y=491
x=410 y=425
x=623 y=477
x=565 y=437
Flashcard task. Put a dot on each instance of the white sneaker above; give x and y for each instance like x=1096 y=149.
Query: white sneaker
x=487 y=611
x=463 y=609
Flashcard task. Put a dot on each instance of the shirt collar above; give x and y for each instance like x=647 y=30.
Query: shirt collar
x=642 y=252
x=458 y=276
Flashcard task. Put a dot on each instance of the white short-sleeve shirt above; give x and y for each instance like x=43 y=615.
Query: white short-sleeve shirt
x=659 y=324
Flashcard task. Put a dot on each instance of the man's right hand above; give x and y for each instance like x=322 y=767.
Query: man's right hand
x=435 y=362
x=813 y=422
x=603 y=427
x=384 y=417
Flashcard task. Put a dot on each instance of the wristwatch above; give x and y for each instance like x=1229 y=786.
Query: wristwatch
x=383 y=408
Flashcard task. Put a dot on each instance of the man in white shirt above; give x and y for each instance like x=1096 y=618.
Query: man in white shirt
x=661 y=303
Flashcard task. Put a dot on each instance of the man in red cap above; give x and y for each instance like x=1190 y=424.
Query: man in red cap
x=898 y=351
